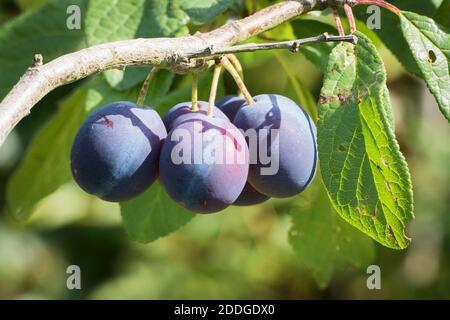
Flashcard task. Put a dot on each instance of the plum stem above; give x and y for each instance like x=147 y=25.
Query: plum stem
x=380 y=3
x=338 y=22
x=238 y=66
x=145 y=86
x=194 y=106
x=239 y=82
x=350 y=17
x=213 y=92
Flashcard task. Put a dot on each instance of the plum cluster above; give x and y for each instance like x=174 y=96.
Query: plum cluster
x=243 y=154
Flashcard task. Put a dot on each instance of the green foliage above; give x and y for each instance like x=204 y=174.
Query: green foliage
x=363 y=170
x=324 y=242
x=31 y=4
x=36 y=31
x=108 y=21
x=391 y=34
x=203 y=11
x=152 y=215
x=441 y=15
x=430 y=47
x=317 y=53
x=301 y=94
x=45 y=167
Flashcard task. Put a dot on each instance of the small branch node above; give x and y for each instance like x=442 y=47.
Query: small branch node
x=295 y=47
x=38 y=60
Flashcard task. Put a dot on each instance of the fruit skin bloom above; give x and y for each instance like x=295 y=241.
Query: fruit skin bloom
x=184 y=108
x=230 y=105
x=115 y=154
x=204 y=164
x=291 y=140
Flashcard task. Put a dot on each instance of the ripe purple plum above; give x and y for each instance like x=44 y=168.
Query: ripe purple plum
x=204 y=164
x=115 y=154
x=230 y=105
x=250 y=196
x=185 y=108
x=283 y=157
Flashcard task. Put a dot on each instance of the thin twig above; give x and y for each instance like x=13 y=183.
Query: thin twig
x=213 y=92
x=292 y=45
x=338 y=22
x=380 y=3
x=146 y=85
x=229 y=67
x=350 y=17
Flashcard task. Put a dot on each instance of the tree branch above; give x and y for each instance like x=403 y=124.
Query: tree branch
x=169 y=53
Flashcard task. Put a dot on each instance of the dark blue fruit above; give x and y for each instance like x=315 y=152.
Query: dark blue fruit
x=185 y=108
x=292 y=142
x=204 y=164
x=230 y=105
x=249 y=196
x=115 y=154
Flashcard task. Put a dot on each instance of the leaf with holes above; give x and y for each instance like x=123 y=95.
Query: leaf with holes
x=389 y=30
x=363 y=170
x=430 y=47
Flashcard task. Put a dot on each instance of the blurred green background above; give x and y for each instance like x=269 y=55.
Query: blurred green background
x=242 y=252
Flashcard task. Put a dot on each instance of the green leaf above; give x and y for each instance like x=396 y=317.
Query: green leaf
x=128 y=19
x=108 y=21
x=363 y=170
x=390 y=32
x=45 y=166
x=324 y=242
x=33 y=32
x=31 y=4
x=423 y=7
x=441 y=15
x=301 y=94
x=317 y=53
x=203 y=11
x=152 y=215
x=430 y=47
